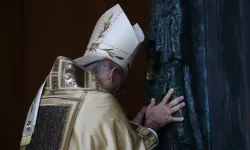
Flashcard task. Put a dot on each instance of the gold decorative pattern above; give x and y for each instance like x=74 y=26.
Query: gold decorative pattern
x=148 y=137
x=106 y=26
x=95 y=46
x=112 y=54
x=74 y=105
x=69 y=79
x=69 y=75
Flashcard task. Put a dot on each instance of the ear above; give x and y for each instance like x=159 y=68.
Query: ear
x=112 y=74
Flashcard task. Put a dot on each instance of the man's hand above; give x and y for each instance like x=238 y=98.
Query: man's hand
x=161 y=114
x=140 y=116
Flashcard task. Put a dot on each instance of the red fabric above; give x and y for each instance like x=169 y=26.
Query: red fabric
x=106 y=58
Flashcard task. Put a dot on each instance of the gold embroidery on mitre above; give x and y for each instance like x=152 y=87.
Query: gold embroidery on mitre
x=112 y=54
x=110 y=51
x=106 y=26
x=94 y=46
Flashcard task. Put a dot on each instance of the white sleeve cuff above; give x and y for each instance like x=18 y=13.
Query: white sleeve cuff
x=154 y=133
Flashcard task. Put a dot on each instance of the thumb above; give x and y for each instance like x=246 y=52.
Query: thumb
x=152 y=103
x=143 y=111
x=139 y=117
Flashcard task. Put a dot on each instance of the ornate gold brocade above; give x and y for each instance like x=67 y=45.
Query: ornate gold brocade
x=150 y=140
x=67 y=85
x=66 y=75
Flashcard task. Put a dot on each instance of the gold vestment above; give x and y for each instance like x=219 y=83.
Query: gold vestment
x=76 y=113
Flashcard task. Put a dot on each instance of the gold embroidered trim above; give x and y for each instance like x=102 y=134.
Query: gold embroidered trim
x=73 y=119
x=148 y=137
x=68 y=76
x=71 y=113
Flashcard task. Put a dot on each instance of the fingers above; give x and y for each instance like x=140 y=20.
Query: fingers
x=175 y=101
x=177 y=107
x=152 y=103
x=142 y=112
x=139 y=117
x=176 y=119
x=168 y=95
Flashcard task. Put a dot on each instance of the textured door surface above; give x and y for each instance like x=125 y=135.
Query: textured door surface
x=228 y=63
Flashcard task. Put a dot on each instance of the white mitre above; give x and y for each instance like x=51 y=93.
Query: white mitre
x=113 y=38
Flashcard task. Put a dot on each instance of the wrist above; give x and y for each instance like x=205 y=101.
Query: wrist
x=153 y=125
